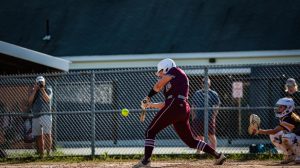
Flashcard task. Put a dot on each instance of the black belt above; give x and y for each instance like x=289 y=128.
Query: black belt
x=179 y=97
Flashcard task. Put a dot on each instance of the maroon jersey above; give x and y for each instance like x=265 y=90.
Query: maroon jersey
x=178 y=85
x=176 y=111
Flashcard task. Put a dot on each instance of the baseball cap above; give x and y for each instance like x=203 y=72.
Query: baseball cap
x=291 y=82
x=39 y=79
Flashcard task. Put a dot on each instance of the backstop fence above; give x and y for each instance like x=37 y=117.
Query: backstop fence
x=86 y=108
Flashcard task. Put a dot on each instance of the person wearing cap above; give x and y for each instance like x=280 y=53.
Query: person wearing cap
x=291 y=91
x=40 y=100
x=197 y=101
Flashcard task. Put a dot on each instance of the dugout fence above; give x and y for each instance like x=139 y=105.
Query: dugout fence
x=86 y=108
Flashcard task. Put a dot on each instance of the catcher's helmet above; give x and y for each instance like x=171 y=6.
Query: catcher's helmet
x=165 y=65
x=289 y=105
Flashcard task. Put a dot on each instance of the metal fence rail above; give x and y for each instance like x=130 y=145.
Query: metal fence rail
x=87 y=107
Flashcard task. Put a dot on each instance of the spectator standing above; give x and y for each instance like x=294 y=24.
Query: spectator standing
x=198 y=101
x=291 y=91
x=40 y=100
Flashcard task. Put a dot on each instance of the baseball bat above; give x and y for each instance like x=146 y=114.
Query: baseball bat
x=143 y=113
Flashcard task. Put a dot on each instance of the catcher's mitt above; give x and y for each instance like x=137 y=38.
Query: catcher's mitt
x=254 y=124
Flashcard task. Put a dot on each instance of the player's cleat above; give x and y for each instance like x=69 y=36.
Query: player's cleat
x=220 y=160
x=287 y=159
x=297 y=151
x=297 y=160
x=199 y=151
x=141 y=164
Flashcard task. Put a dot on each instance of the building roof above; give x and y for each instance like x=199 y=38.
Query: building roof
x=18 y=59
x=184 y=59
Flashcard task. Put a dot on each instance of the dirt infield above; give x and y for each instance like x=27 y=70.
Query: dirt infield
x=167 y=164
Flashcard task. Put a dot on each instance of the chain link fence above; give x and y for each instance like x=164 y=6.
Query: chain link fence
x=87 y=105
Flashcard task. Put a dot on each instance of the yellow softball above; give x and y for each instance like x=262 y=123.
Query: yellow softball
x=125 y=112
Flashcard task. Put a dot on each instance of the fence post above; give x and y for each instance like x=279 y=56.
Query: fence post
x=54 y=124
x=93 y=113
x=206 y=104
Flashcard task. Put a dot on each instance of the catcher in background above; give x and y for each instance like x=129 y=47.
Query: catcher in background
x=285 y=136
x=175 y=110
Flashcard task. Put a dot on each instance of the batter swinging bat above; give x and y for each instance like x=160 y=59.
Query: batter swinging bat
x=143 y=113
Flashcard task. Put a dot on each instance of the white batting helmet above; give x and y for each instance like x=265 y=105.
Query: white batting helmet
x=289 y=107
x=165 y=65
